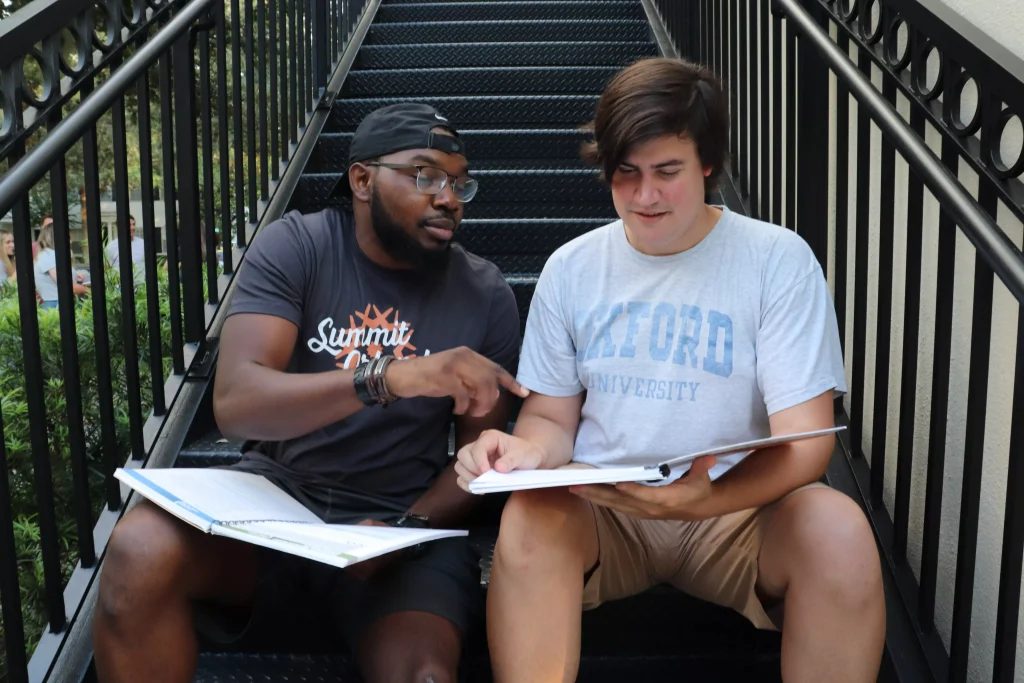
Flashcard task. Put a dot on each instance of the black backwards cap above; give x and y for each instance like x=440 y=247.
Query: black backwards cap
x=396 y=127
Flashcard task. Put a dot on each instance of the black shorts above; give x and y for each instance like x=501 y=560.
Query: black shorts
x=442 y=579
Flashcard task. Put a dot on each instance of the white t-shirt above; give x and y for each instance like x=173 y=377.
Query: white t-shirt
x=683 y=352
x=45 y=285
x=138 y=257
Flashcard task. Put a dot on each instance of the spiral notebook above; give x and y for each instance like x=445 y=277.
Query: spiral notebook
x=249 y=508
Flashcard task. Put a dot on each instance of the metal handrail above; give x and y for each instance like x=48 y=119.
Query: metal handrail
x=1005 y=259
x=33 y=166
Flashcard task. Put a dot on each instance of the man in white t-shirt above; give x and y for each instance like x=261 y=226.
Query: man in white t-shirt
x=138 y=253
x=680 y=327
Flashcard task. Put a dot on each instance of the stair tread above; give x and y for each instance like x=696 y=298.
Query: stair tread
x=505 y=110
x=507 y=30
x=249 y=668
x=525 y=9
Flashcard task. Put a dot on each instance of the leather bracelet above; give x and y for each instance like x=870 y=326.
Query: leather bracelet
x=360 y=384
x=370 y=383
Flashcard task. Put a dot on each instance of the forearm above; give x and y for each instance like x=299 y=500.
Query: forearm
x=444 y=502
x=266 y=404
x=549 y=437
x=766 y=476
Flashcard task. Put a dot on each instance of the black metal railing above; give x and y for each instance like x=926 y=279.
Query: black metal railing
x=950 y=105
x=140 y=102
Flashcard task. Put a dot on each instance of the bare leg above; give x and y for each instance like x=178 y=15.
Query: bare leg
x=820 y=555
x=410 y=647
x=155 y=566
x=547 y=541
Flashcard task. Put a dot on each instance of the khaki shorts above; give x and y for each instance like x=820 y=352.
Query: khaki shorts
x=714 y=560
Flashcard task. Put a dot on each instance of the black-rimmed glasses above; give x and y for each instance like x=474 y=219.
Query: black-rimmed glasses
x=431 y=180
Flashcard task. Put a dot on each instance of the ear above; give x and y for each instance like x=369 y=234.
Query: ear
x=707 y=171
x=359 y=178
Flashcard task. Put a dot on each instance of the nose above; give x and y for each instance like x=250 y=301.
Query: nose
x=646 y=192
x=446 y=199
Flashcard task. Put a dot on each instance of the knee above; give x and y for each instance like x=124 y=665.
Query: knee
x=143 y=562
x=543 y=523
x=835 y=549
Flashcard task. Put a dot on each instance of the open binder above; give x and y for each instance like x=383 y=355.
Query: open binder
x=575 y=474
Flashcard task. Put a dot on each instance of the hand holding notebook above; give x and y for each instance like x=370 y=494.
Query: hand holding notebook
x=574 y=474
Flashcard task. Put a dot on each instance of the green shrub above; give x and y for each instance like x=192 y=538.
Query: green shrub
x=16 y=425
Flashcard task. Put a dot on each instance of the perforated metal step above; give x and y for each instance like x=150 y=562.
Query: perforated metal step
x=501 y=54
x=486 y=147
x=534 y=111
x=507 y=31
x=497 y=11
x=527 y=80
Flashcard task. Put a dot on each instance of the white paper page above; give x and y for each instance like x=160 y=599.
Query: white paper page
x=516 y=480
x=217 y=495
x=336 y=544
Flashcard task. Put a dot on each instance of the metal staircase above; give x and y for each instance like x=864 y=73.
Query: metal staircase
x=520 y=105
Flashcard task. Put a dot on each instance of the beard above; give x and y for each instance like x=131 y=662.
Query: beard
x=402 y=246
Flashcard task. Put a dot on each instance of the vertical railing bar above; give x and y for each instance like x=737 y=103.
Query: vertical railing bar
x=130 y=344
x=911 y=327
x=261 y=26
x=171 y=214
x=209 y=218
x=777 y=89
x=941 y=356
x=754 y=153
x=300 y=49
x=100 y=325
x=974 y=452
x=309 y=78
x=10 y=593
x=36 y=404
x=275 y=104
x=764 y=211
x=188 y=191
x=236 y=98
x=1008 y=604
x=156 y=359
x=791 y=123
x=250 y=111
x=716 y=36
x=742 y=84
x=883 y=307
x=222 y=120
x=282 y=11
x=842 y=192
x=734 y=87
x=860 y=268
x=67 y=303
x=293 y=52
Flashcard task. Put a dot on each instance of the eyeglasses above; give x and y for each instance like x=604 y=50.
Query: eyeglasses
x=431 y=180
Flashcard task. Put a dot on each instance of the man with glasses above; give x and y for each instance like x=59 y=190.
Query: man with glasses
x=354 y=338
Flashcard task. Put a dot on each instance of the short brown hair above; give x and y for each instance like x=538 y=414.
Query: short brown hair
x=656 y=97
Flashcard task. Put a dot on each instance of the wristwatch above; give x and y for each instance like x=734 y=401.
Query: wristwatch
x=411 y=521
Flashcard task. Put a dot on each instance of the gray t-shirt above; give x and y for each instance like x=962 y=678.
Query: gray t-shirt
x=45 y=285
x=684 y=352
x=310 y=270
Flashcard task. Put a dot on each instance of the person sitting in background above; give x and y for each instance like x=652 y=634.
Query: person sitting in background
x=9 y=272
x=46 y=269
